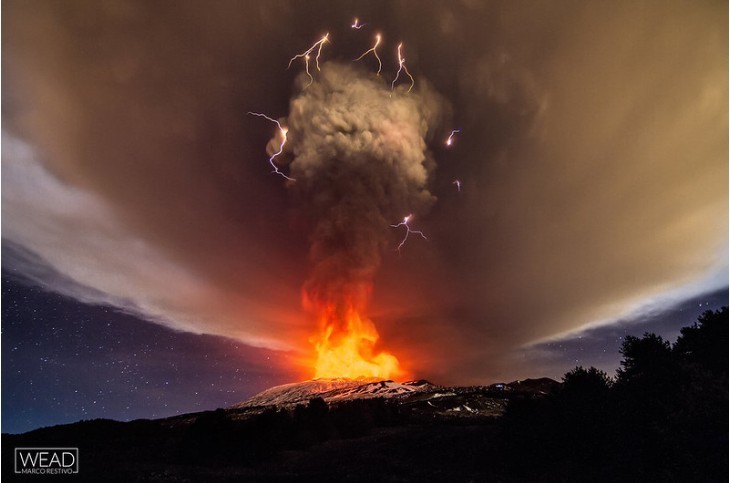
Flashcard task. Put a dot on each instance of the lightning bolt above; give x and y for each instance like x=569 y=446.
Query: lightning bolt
x=450 y=141
x=357 y=25
x=306 y=69
x=375 y=52
x=306 y=55
x=401 y=67
x=405 y=222
x=283 y=131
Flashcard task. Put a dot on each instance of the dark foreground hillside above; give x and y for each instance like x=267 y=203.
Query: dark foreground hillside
x=663 y=418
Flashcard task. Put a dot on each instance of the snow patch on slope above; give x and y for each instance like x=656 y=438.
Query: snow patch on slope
x=333 y=390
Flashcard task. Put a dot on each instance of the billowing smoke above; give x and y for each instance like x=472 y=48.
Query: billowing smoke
x=360 y=162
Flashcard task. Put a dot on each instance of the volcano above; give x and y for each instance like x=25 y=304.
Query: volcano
x=418 y=397
x=333 y=390
x=295 y=432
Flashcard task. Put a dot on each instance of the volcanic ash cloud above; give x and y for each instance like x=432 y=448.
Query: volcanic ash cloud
x=360 y=162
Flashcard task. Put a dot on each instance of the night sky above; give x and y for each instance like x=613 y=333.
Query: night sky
x=152 y=264
x=64 y=361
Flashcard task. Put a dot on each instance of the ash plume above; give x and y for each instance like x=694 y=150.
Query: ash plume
x=360 y=160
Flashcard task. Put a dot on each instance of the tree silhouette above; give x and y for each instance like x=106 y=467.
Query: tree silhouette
x=672 y=401
x=648 y=362
x=588 y=383
x=663 y=419
x=705 y=342
x=641 y=355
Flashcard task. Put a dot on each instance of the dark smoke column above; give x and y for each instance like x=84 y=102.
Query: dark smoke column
x=360 y=161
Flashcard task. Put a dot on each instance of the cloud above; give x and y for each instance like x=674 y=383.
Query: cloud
x=599 y=180
x=69 y=241
x=592 y=155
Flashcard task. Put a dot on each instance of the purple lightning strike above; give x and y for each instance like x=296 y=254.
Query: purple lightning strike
x=450 y=141
x=405 y=222
x=307 y=55
x=402 y=67
x=283 y=131
x=375 y=53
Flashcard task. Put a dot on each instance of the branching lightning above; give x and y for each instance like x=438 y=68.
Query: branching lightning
x=402 y=67
x=283 y=131
x=405 y=222
x=374 y=51
x=306 y=69
x=450 y=140
x=306 y=55
x=357 y=25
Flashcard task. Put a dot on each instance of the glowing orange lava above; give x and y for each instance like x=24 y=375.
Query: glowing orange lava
x=345 y=346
